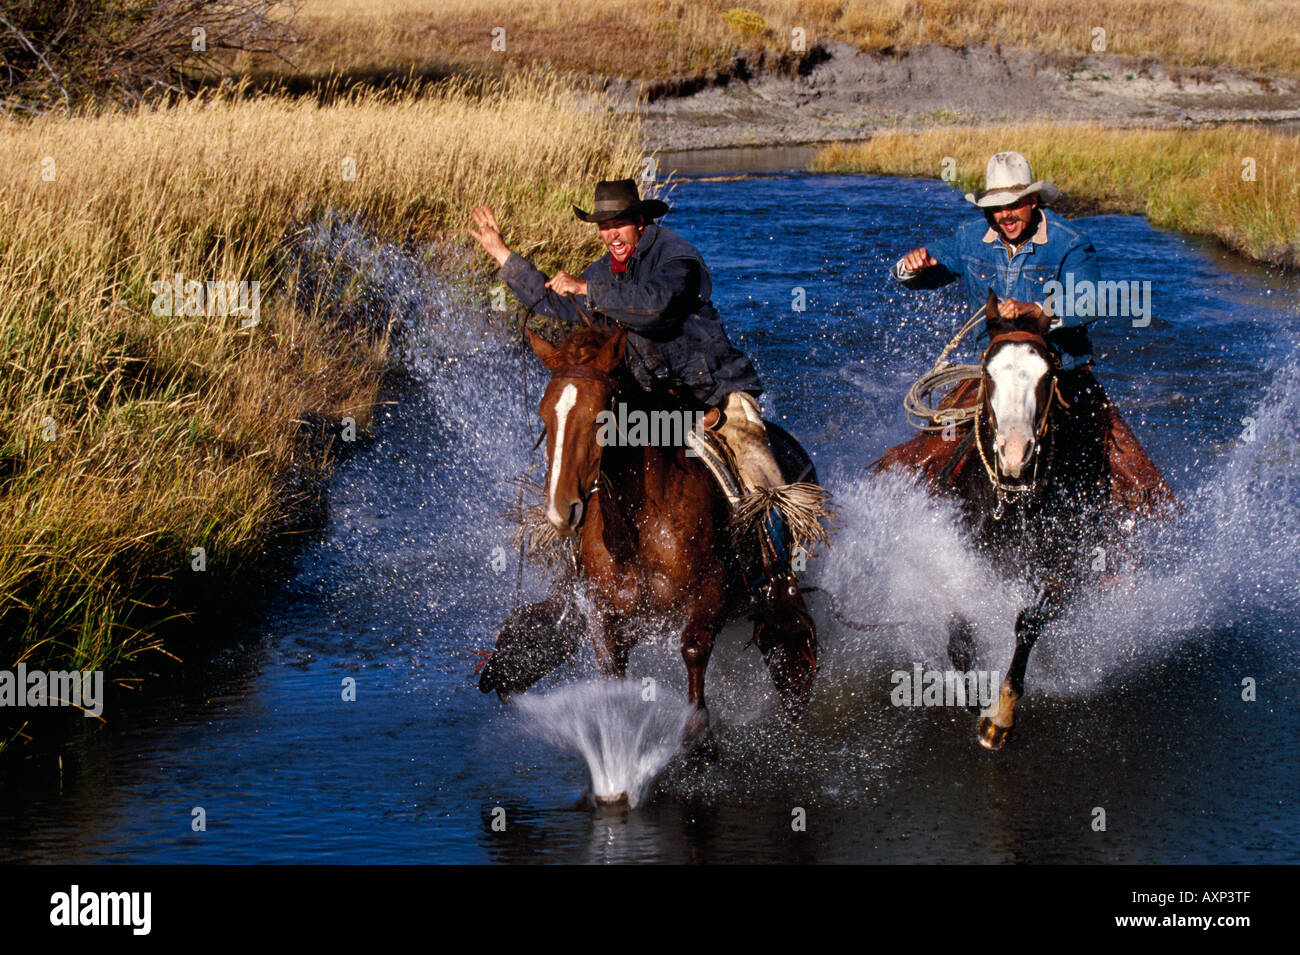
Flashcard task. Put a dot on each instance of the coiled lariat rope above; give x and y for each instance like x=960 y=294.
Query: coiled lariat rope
x=920 y=412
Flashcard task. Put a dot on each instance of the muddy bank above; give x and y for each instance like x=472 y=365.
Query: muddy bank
x=837 y=92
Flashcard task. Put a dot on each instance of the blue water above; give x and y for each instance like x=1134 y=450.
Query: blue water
x=1134 y=701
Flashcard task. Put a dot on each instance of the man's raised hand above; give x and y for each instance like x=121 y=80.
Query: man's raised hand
x=918 y=259
x=489 y=234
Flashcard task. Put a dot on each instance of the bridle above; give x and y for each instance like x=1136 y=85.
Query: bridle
x=1005 y=491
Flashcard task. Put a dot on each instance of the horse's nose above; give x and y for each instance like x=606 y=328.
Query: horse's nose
x=1014 y=452
x=565 y=523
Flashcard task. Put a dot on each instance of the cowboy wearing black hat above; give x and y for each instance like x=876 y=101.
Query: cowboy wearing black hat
x=654 y=283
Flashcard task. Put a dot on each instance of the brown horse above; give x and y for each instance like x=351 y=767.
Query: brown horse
x=1040 y=486
x=653 y=543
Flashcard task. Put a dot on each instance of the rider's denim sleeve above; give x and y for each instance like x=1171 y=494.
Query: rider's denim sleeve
x=945 y=252
x=1080 y=259
x=528 y=283
x=646 y=303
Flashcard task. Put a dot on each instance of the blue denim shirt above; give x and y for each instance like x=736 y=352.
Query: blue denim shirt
x=975 y=254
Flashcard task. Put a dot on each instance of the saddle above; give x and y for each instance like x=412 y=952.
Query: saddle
x=1136 y=482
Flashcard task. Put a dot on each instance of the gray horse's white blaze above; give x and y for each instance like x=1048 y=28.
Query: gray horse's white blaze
x=1016 y=371
x=562 y=408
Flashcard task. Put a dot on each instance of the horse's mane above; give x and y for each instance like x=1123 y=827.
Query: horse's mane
x=581 y=347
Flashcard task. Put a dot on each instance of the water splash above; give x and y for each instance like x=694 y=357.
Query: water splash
x=624 y=739
x=1228 y=560
x=901 y=555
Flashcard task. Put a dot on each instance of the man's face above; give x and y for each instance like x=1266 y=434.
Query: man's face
x=621 y=236
x=1013 y=220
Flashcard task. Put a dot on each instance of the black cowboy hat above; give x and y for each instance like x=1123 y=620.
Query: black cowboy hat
x=618 y=199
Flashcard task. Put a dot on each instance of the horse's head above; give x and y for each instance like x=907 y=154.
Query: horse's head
x=581 y=387
x=1019 y=375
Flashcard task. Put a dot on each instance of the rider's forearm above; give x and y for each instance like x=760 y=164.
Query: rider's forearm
x=928 y=278
x=528 y=284
x=934 y=276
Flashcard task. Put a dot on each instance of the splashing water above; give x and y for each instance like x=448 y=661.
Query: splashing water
x=901 y=555
x=625 y=739
x=1227 y=560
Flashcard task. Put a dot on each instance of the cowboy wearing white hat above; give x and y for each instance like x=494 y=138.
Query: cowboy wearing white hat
x=1019 y=251
x=1007 y=180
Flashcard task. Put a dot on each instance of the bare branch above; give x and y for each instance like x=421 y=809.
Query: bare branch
x=22 y=38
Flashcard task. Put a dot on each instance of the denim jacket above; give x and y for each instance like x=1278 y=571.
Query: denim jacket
x=675 y=335
x=978 y=256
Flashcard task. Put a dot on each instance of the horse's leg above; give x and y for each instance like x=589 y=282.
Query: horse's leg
x=787 y=637
x=612 y=647
x=697 y=645
x=534 y=640
x=994 y=730
x=961 y=642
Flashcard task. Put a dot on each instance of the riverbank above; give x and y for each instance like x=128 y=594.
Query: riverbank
x=780 y=72
x=178 y=383
x=174 y=392
x=655 y=39
x=840 y=93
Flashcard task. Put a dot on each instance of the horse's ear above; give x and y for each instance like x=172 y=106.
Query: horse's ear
x=993 y=322
x=548 y=353
x=611 y=353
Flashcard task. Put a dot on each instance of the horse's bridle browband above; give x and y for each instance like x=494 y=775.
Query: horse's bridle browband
x=585 y=371
x=1018 y=335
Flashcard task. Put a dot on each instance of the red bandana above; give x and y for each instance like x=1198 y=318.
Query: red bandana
x=617 y=267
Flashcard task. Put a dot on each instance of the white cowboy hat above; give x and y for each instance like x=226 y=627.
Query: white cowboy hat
x=1008 y=179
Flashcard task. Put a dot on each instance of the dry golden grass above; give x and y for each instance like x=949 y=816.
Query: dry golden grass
x=1191 y=181
x=170 y=433
x=660 y=38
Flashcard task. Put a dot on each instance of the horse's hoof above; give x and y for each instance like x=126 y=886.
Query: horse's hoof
x=701 y=751
x=618 y=799
x=993 y=736
x=697 y=725
x=697 y=739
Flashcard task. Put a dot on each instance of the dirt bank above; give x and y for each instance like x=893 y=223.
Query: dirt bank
x=838 y=92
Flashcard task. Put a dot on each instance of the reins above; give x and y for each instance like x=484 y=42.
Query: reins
x=943 y=375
